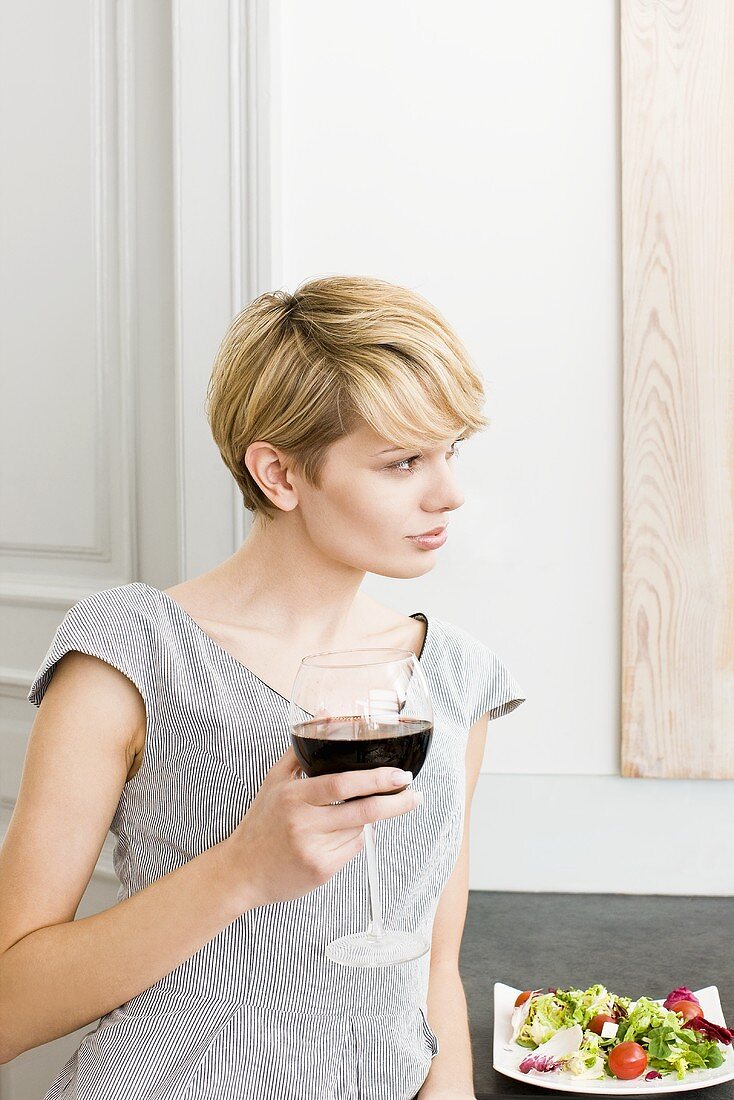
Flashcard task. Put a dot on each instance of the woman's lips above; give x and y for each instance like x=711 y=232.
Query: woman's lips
x=430 y=542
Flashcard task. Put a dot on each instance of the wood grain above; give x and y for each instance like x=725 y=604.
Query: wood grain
x=677 y=147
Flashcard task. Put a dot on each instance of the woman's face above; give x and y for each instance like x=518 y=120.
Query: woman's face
x=371 y=503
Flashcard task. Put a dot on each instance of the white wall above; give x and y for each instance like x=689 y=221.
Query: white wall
x=471 y=151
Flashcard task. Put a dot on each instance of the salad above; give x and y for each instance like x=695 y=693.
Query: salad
x=594 y=1033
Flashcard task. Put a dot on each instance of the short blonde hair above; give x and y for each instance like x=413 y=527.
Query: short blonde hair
x=302 y=370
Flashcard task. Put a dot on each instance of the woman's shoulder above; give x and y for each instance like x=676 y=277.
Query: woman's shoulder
x=454 y=638
x=117 y=624
x=457 y=645
x=130 y=599
x=475 y=670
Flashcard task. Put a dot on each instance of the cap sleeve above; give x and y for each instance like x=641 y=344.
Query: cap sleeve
x=490 y=686
x=108 y=625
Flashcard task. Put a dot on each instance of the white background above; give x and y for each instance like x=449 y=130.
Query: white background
x=162 y=165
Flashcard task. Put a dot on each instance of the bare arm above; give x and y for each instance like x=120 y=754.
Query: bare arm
x=79 y=753
x=451 y=1072
x=119 y=952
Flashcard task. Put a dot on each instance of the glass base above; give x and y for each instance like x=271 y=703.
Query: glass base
x=361 y=949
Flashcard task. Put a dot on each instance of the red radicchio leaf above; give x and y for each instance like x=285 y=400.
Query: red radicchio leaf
x=542 y=1062
x=652 y=1075
x=712 y=1031
x=683 y=993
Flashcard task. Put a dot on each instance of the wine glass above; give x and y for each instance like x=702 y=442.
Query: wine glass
x=352 y=710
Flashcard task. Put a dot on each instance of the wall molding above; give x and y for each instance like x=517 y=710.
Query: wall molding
x=112 y=84
x=15 y=683
x=254 y=140
x=36 y=592
x=221 y=261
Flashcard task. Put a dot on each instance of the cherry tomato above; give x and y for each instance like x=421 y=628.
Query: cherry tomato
x=597 y=1022
x=689 y=1010
x=522 y=997
x=628 y=1060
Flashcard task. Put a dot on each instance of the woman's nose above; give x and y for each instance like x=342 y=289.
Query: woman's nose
x=446 y=492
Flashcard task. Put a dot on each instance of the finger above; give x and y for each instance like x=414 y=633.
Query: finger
x=287 y=766
x=350 y=815
x=321 y=790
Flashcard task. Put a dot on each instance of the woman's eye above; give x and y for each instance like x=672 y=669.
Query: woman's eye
x=407 y=464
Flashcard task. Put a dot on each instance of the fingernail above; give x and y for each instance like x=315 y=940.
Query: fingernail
x=399 y=778
x=418 y=797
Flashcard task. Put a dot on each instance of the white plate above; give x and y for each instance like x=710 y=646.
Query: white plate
x=507 y=1061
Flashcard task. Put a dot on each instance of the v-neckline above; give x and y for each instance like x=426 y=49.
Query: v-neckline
x=231 y=657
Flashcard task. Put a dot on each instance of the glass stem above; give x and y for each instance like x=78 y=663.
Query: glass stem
x=375 y=930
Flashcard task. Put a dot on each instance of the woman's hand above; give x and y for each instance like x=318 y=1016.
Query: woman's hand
x=292 y=840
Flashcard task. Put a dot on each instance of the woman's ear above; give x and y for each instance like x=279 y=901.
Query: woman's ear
x=270 y=469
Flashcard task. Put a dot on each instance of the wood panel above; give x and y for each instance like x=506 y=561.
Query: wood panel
x=677 y=146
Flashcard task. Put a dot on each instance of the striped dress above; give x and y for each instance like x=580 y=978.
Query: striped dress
x=260 y=1011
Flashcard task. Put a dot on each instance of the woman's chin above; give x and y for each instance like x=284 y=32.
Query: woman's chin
x=406 y=570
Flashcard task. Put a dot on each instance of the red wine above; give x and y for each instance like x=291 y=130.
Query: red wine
x=327 y=745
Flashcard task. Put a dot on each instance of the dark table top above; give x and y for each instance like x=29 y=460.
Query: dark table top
x=633 y=944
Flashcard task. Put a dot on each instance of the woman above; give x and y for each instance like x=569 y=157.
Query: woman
x=164 y=719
